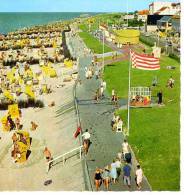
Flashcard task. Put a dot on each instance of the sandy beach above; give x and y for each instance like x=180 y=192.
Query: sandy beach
x=55 y=130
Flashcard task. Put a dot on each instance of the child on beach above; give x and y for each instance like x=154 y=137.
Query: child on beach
x=33 y=126
x=47 y=154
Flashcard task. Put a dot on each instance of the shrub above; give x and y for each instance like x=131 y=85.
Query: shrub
x=146 y=41
x=22 y=104
x=172 y=55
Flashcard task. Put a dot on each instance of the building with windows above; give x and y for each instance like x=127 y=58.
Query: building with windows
x=142 y=15
x=128 y=17
x=164 y=8
x=176 y=24
x=165 y=23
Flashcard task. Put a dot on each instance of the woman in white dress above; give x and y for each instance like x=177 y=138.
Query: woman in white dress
x=139 y=176
x=113 y=171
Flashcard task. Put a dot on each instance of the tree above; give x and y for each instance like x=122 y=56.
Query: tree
x=117 y=16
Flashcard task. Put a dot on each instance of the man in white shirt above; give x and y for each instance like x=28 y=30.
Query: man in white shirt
x=104 y=85
x=101 y=91
x=125 y=147
x=86 y=142
x=118 y=167
x=86 y=135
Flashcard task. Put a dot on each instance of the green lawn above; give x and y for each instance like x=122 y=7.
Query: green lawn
x=154 y=132
x=85 y=27
x=94 y=44
x=107 y=58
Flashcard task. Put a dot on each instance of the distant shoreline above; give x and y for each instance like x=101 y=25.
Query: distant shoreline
x=13 y=21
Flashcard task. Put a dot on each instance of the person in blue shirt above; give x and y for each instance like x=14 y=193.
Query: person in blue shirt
x=126 y=175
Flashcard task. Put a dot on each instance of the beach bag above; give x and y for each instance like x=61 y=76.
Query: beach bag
x=77 y=132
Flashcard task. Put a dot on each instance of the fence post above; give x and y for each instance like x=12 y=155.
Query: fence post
x=80 y=152
x=48 y=167
x=63 y=160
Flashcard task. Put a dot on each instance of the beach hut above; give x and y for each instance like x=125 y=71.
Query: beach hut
x=127 y=36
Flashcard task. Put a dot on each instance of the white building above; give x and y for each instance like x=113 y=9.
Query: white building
x=142 y=15
x=128 y=17
x=164 y=8
x=142 y=18
x=104 y=28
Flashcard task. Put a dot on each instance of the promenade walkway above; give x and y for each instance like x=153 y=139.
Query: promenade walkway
x=96 y=117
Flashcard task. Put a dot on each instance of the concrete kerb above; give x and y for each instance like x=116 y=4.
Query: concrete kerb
x=135 y=162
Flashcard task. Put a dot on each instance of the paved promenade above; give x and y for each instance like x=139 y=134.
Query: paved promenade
x=97 y=117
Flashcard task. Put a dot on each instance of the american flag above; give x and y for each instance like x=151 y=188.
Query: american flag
x=144 y=62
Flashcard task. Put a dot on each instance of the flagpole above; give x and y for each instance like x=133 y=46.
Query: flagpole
x=103 y=48
x=128 y=127
x=127 y=12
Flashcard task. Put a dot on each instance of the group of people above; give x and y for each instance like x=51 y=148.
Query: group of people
x=89 y=72
x=139 y=100
x=117 y=123
x=100 y=91
x=114 y=97
x=122 y=165
x=21 y=144
x=170 y=82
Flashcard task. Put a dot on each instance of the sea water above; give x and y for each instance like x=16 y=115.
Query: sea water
x=13 y=21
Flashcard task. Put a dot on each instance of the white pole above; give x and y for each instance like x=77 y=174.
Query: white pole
x=128 y=127
x=127 y=13
x=80 y=152
x=63 y=160
x=103 y=47
x=158 y=40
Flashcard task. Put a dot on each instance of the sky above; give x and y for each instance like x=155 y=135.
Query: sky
x=74 y=5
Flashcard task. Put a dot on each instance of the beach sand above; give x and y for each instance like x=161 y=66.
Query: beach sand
x=55 y=130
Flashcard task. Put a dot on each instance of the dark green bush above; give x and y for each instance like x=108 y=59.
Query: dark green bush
x=146 y=41
x=22 y=104
x=177 y=58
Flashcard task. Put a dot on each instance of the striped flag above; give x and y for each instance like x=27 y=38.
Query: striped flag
x=144 y=62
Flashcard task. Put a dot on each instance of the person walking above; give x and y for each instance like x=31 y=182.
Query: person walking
x=159 y=95
x=126 y=175
x=118 y=167
x=112 y=95
x=106 y=177
x=97 y=94
x=96 y=74
x=86 y=140
x=139 y=177
x=113 y=171
x=125 y=148
x=97 y=179
x=104 y=84
x=101 y=91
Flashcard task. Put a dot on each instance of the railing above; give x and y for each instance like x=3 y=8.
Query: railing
x=63 y=157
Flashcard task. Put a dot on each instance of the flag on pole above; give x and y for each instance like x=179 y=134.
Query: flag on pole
x=144 y=62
